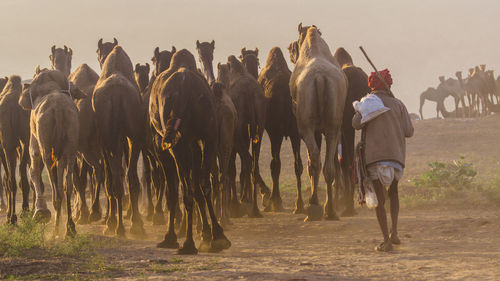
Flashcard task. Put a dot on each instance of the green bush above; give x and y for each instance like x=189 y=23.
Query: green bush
x=456 y=174
x=28 y=235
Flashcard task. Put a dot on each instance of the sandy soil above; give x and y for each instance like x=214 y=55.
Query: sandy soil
x=446 y=242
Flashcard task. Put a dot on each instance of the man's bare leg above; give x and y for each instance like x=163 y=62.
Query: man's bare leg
x=386 y=246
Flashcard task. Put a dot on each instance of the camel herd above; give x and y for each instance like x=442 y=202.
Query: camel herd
x=480 y=89
x=188 y=126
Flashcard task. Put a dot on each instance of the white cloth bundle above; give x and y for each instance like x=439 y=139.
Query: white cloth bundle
x=370 y=107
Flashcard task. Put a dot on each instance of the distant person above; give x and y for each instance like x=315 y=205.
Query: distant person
x=385 y=150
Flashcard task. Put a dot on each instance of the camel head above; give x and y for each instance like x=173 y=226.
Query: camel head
x=441 y=79
x=293 y=50
x=482 y=67
x=61 y=59
x=45 y=83
x=141 y=74
x=303 y=32
x=161 y=60
x=103 y=49
x=250 y=60
x=343 y=57
x=223 y=73
x=235 y=65
x=206 y=57
x=458 y=74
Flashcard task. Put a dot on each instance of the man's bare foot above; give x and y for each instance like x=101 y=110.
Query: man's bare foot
x=395 y=239
x=384 y=247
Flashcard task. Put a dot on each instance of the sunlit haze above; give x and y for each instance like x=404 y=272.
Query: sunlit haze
x=417 y=40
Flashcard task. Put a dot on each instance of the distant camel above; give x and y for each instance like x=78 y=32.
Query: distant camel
x=319 y=90
x=15 y=135
x=61 y=59
x=280 y=123
x=3 y=207
x=434 y=95
x=206 y=57
x=250 y=60
x=453 y=87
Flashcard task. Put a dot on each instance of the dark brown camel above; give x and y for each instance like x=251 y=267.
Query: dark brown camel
x=356 y=89
x=251 y=104
x=120 y=121
x=141 y=74
x=14 y=136
x=54 y=139
x=85 y=78
x=60 y=59
x=187 y=125
x=250 y=60
x=227 y=119
x=3 y=206
x=161 y=60
x=280 y=123
x=206 y=57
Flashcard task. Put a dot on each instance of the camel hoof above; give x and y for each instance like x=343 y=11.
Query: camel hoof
x=120 y=231
x=221 y=243
x=42 y=216
x=275 y=205
x=349 y=212
x=205 y=247
x=169 y=242
x=137 y=230
x=159 y=219
x=95 y=216
x=236 y=209
x=314 y=213
x=331 y=217
x=3 y=208
x=266 y=199
x=188 y=248
x=70 y=231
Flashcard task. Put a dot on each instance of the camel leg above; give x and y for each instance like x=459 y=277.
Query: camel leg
x=254 y=211
x=68 y=188
x=420 y=109
x=10 y=155
x=299 y=204
x=218 y=239
x=330 y=170
x=24 y=184
x=56 y=193
x=245 y=176
x=41 y=213
x=276 y=204
x=225 y=188
x=314 y=211
x=80 y=174
x=147 y=175
x=95 y=209
x=111 y=209
x=264 y=189
x=117 y=175
x=171 y=175
x=3 y=206
x=235 y=208
x=170 y=172
x=134 y=189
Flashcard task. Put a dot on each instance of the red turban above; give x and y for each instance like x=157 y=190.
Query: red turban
x=374 y=82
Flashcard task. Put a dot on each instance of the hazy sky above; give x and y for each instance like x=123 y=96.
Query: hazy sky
x=416 y=40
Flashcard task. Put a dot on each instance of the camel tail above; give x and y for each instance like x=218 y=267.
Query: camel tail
x=321 y=96
x=58 y=138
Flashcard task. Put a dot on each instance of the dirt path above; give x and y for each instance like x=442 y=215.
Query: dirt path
x=437 y=244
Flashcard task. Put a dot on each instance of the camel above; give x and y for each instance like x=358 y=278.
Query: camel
x=206 y=57
x=251 y=104
x=85 y=79
x=3 y=207
x=54 y=130
x=477 y=85
x=454 y=88
x=293 y=50
x=120 y=121
x=357 y=88
x=170 y=94
x=14 y=136
x=103 y=50
x=227 y=118
x=280 y=123
x=161 y=60
x=141 y=74
x=319 y=89
x=61 y=59
x=250 y=60
x=434 y=95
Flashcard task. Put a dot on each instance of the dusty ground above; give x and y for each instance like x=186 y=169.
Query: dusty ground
x=446 y=241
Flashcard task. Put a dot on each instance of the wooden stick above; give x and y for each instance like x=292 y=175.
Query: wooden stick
x=376 y=71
